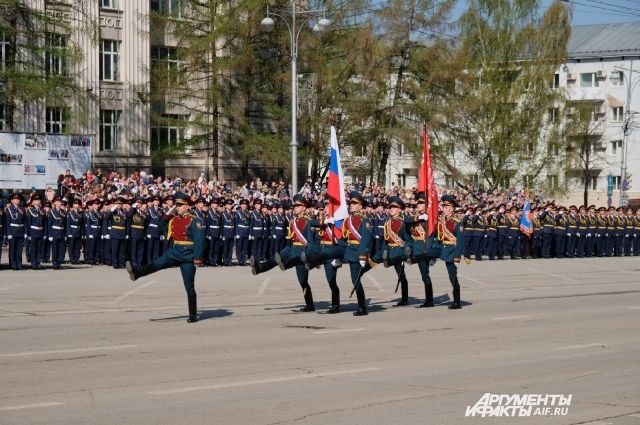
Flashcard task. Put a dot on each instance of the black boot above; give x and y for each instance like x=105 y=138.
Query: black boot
x=279 y=261
x=409 y=255
x=404 y=290
x=141 y=271
x=193 y=308
x=428 y=296
x=335 y=301
x=456 y=299
x=258 y=267
x=385 y=258
x=308 y=299
x=362 y=303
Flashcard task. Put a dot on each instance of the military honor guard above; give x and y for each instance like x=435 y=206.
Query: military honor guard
x=188 y=235
x=277 y=230
x=214 y=224
x=74 y=231
x=118 y=233
x=154 y=234
x=416 y=247
x=242 y=232
x=56 y=226
x=228 y=232
x=35 y=230
x=137 y=217
x=92 y=233
x=257 y=230
x=15 y=231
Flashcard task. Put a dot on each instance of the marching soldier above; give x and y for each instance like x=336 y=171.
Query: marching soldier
x=35 y=222
x=358 y=237
x=449 y=243
x=228 y=232
x=74 y=231
x=92 y=226
x=299 y=235
x=188 y=235
x=56 y=222
x=14 y=224
x=395 y=236
x=214 y=224
x=416 y=247
x=154 y=234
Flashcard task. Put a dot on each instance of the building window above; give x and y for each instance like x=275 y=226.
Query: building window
x=109 y=129
x=55 y=121
x=55 y=56
x=166 y=67
x=553 y=149
x=169 y=130
x=589 y=80
x=505 y=182
x=617 y=113
x=552 y=181
x=617 y=181
x=109 y=60
x=617 y=79
x=528 y=180
x=552 y=115
x=555 y=81
x=109 y=4
x=174 y=8
x=4 y=51
x=3 y=121
x=591 y=183
x=616 y=146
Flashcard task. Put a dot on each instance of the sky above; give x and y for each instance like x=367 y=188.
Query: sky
x=586 y=12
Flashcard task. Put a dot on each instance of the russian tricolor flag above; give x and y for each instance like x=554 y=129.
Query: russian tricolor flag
x=337 y=207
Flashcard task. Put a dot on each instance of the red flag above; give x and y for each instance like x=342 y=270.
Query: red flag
x=427 y=184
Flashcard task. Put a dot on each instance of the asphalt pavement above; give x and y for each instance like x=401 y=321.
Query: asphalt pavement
x=85 y=345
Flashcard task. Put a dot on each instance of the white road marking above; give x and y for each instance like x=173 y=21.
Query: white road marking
x=573 y=347
x=635 y=415
x=263 y=287
x=375 y=282
x=509 y=317
x=262 y=381
x=335 y=331
x=472 y=279
x=8 y=287
x=554 y=275
x=634 y=306
x=30 y=406
x=66 y=351
x=131 y=292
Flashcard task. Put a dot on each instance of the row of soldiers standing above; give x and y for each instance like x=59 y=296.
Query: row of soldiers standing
x=555 y=233
x=110 y=232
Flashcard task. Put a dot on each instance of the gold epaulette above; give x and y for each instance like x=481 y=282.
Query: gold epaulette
x=454 y=218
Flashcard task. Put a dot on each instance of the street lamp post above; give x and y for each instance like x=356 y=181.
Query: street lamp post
x=626 y=130
x=267 y=25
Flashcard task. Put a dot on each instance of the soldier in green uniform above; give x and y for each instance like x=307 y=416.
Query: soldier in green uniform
x=187 y=233
x=395 y=236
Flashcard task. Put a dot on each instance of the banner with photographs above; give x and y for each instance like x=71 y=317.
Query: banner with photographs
x=36 y=160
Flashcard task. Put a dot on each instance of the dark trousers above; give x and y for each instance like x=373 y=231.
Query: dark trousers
x=90 y=249
x=58 y=248
x=257 y=248
x=214 y=251
x=502 y=245
x=242 y=246
x=491 y=247
x=74 y=249
x=589 y=245
x=452 y=270
x=617 y=245
x=37 y=249
x=628 y=244
x=547 y=239
x=536 y=246
x=468 y=245
x=137 y=252
x=331 y=274
x=183 y=257
x=477 y=246
x=227 y=251
x=153 y=249
x=278 y=244
x=580 y=246
x=571 y=245
x=16 y=245
x=46 y=253
x=118 y=252
x=559 y=245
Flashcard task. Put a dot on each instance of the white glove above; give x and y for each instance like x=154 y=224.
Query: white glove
x=589 y=235
x=101 y=236
x=50 y=238
x=161 y=237
x=363 y=263
x=135 y=205
x=209 y=237
x=336 y=263
x=423 y=217
x=126 y=237
x=237 y=236
x=329 y=220
x=69 y=236
x=25 y=236
x=113 y=208
x=107 y=236
x=9 y=237
x=148 y=236
x=90 y=236
x=377 y=237
x=568 y=234
x=223 y=238
x=250 y=237
x=28 y=238
x=274 y=236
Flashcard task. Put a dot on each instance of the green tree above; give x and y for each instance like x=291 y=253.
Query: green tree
x=497 y=115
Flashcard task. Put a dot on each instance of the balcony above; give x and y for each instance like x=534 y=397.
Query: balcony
x=591 y=94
